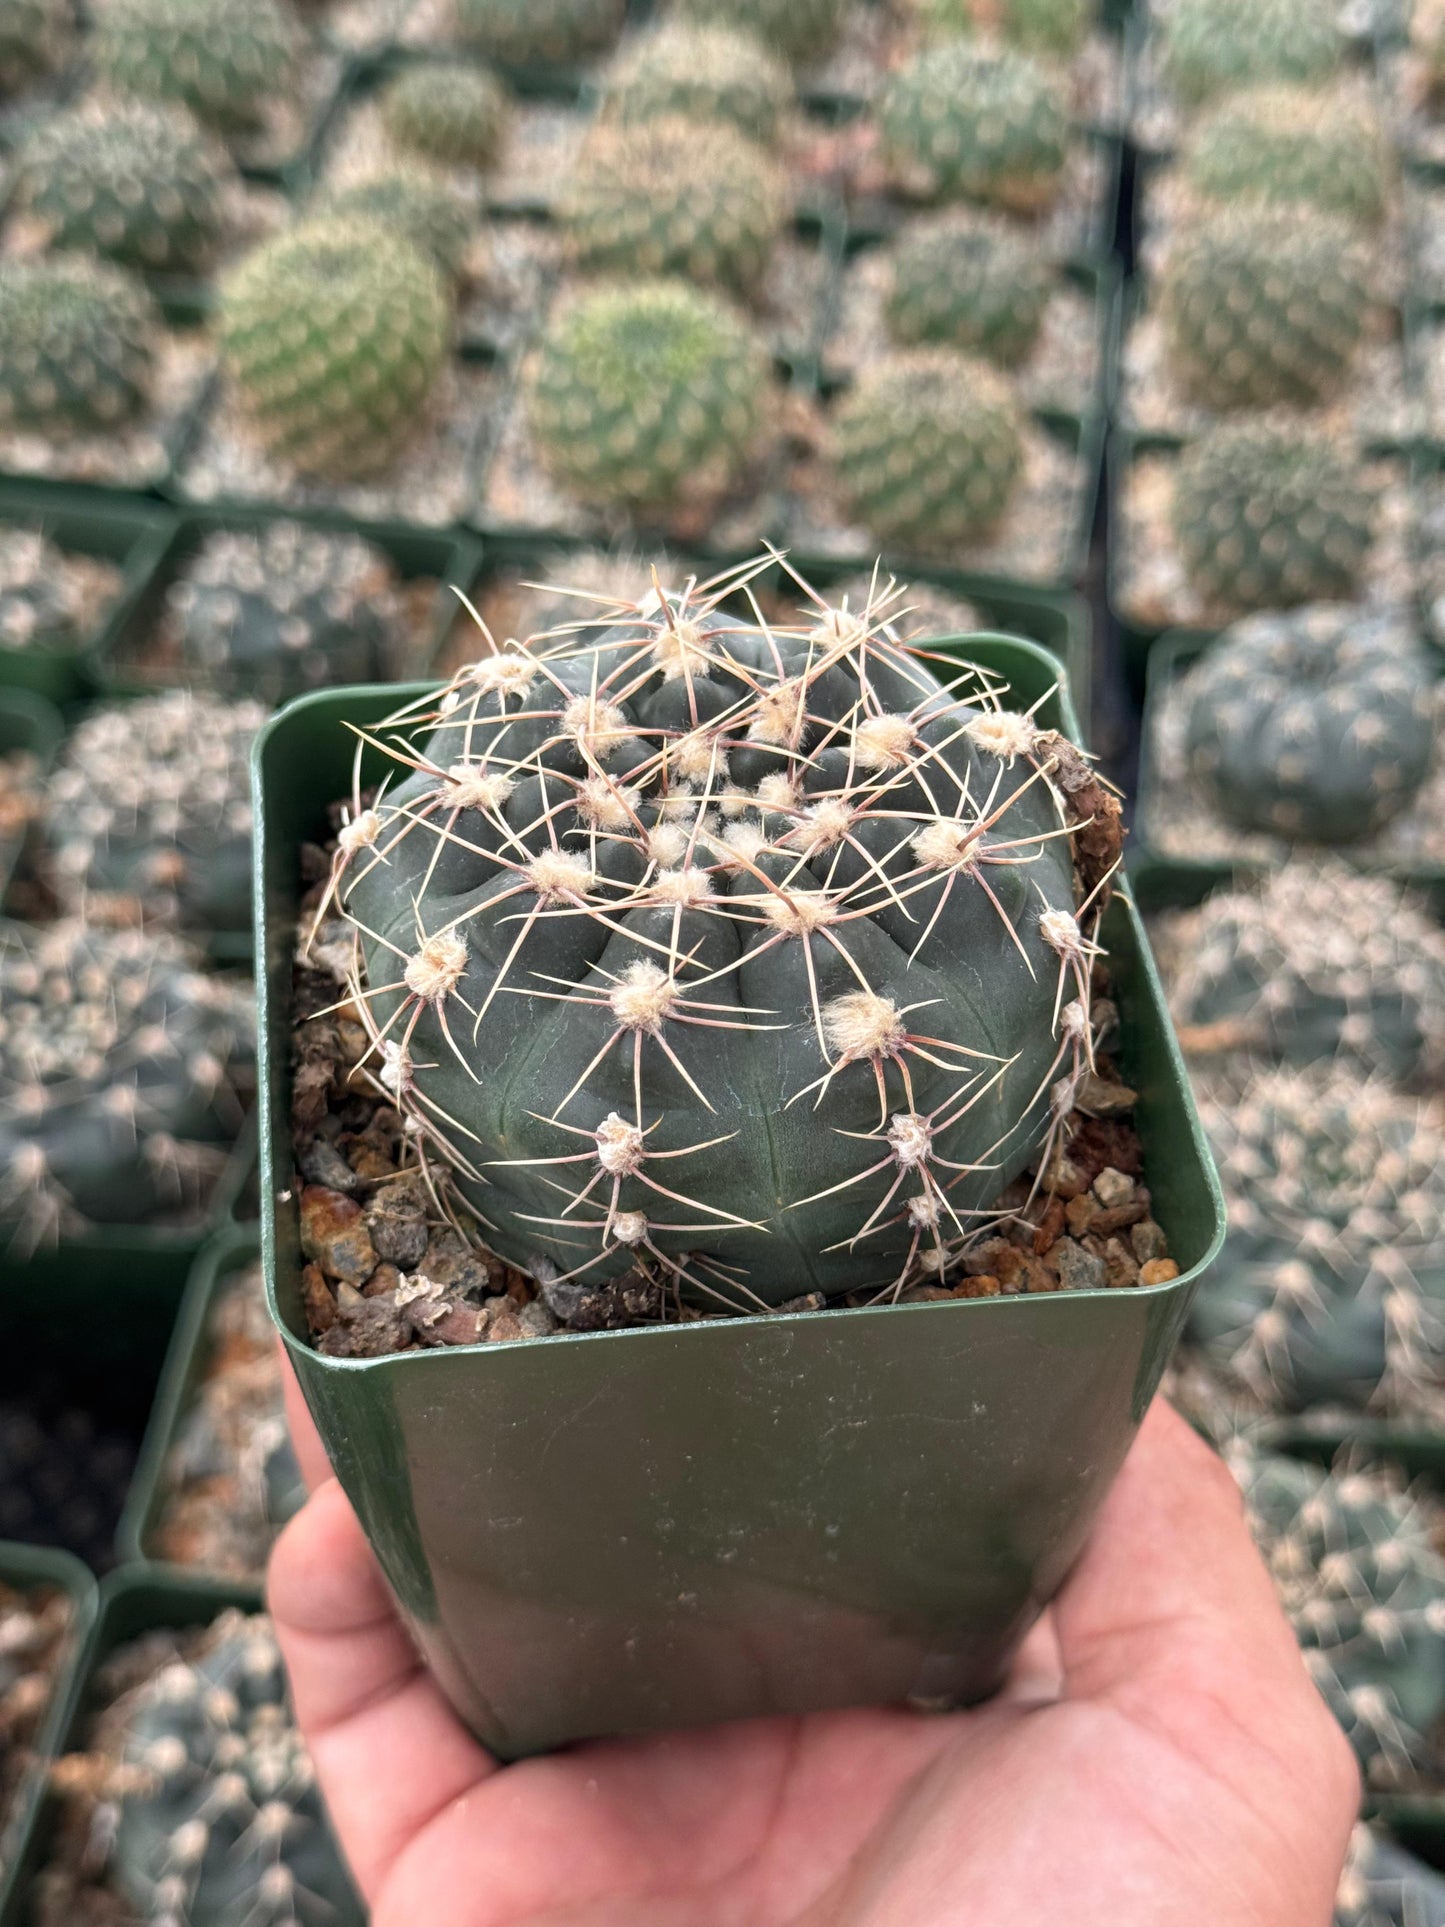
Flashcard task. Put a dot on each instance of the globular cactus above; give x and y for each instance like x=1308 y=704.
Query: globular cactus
x=148 y=813
x=1265 y=305
x=287 y=608
x=1269 y=514
x=965 y=121
x=970 y=280
x=429 y=212
x=649 y=396
x=439 y=111
x=1293 y=147
x=1209 y=48
x=335 y=335
x=1383 y=1886
x=119 y=1069
x=756 y=956
x=926 y=449
x=1363 y=1586
x=675 y=197
x=229 y=64
x=1315 y=962
x=801 y=30
x=133 y=180
x=1331 y=1287
x=525 y=33
x=1316 y=723
x=77 y=344
x=704 y=72
x=1053 y=27
x=40 y=607
x=35 y=36
x=1427 y=45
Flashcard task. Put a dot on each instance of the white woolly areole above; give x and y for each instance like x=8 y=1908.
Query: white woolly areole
x=360 y=834
x=597 y=724
x=884 y=742
x=644 y=996
x=823 y=826
x=910 y=1139
x=946 y=845
x=840 y=628
x=560 y=873
x=437 y=968
x=686 y=886
x=779 y=713
x=629 y=1227
x=735 y=801
x=796 y=913
x=862 y=1024
x=1074 y=1021
x=611 y=806
x=620 y=1147
x=396 y=1067
x=471 y=786
x=775 y=792
x=667 y=845
x=507 y=674
x=1061 y=932
x=1003 y=733
x=697 y=756
x=741 y=845
x=923 y=1211
x=680 y=649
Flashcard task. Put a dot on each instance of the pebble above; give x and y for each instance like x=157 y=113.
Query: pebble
x=1158 y=1271
x=1112 y=1188
x=1147 y=1241
x=334 y=1235
x=1078 y=1270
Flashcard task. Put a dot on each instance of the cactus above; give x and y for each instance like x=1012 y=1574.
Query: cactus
x=526 y=33
x=675 y=197
x=649 y=396
x=441 y=112
x=1050 y=27
x=1427 y=46
x=1270 y=514
x=703 y=72
x=963 y=121
x=217 y=1818
x=274 y=613
x=1213 y=47
x=637 y=962
x=228 y=63
x=35 y=36
x=970 y=280
x=131 y=180
x=927 y=449
x=77 y=340
x=148 y=813
x=801 y=30
x=1315 y=962
x=430 y=213
x=40 y=606
x=1293 y=147
x=1316 y=724
x=1383 y=1886
x=119 y=1064
x=335 y=335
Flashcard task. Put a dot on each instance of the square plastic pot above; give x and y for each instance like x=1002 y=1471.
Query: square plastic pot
x=27 y=723
x=660 y=1528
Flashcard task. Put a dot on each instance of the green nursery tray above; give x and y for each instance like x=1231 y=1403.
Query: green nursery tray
x=29 y=723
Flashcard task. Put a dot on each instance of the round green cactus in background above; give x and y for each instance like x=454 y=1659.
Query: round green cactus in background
x=1055 y=27
x=228 y=63
x=801 y=30
x=1384 y=1886
x=454 y=115
x=1293 y=147
x=35 y=36
x=1210 y=48
x=77 y=344
x=526 y=33
x=966 y=122
x=970 y=280
x=432 y=214
x=703 y=72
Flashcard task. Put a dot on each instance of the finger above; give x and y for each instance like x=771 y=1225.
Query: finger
x=390 y=1753
x=305 y=1439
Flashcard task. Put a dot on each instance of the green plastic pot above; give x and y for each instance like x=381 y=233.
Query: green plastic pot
x=27 y=722
x=664 y=1527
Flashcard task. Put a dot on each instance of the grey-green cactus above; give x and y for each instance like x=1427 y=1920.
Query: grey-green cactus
x=1293 y=147
x=228 y=63
x=965 y=121
x=77 y=343
x=119 y=1069
x=675 y=197
x=526 y=33
x=334 y=336
x=1383 y=1886
x=431 y=213
x=703 y=71
x=148 y=813
x=652 y=396
x=1053 y=27
x=801 y=30
x=1208 y=48
x=35 y=36
x=40 y=607
x=1269 y=514
x=1317 y=723
x=439 y=111
x=970 y=280
x=926 y=449
x=646 y=929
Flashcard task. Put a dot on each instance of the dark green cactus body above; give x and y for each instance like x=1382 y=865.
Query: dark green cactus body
x=709 y=947
x=969 y=280
x=1269 y=514
x=704 y=73
x=430 y=213
x=438 y=111
x=963 y=121
x=35 y=36
x=1294 y=147
x=1212 y=47
x=38 y=608
x=526 y=33
x=76 y=344
x=1316 y=723
x=1054 y=27
x=801 y=30
x=1383 y=1886
x=927 y=449
x=227 y=63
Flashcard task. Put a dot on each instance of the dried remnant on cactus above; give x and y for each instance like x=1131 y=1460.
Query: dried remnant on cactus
x=704 y=72
x=964 y=121
x=77 y=341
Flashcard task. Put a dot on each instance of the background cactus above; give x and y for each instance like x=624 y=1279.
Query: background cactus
x=119 y=1065
x=927 y=449
x=39 y=604
x=1383 y=1886
x=649 y=396
x=801 y=30
x=77 y=340
x=969 y=280
x=1212 y=47
x=675 y=197
x=229 y=64
x=1270 y=514
x=438 y=111
x=703 y=71
x=1316 y=724
x=1265 y=305
x=526 y=33
x=963 y=121
x=1427 y=44
x=1293 y=146
x=1055 y=27
x=430 y=213
x=334 y=336
x=35 y=36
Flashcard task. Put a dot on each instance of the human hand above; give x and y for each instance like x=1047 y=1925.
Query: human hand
x=1160 y=1759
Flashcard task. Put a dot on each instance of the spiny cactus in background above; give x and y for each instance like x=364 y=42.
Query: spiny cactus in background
x=40 y=607
x=432 y=214
x=77 y=341
x=1364 y=1589
x=229 y=64
x=148 y=813
x=1293 y=146
x=801 y=30
x=526 y=33
x=927 y=449
x=275 y=612
x=1317 y=961
x=704 y=72
x=754 y=955
x=1269 y=514
x=1427 y=45
x=1383 y=1886
x=652 y=396
x=1213 y=47
x=970 y=280
x=675 y=197
x=1317 y=723
x=334 y=336
x=217 y=1820
x=119 y=1069
x=964 y=121
x=1055 y=27
x=35 y=36
x=441 y=112
x=133 y=180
